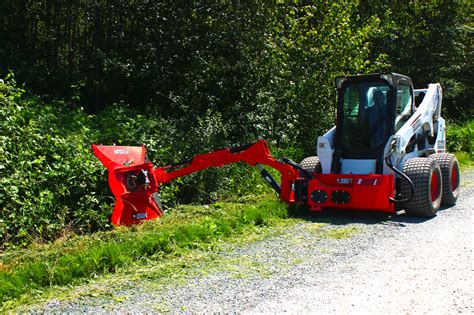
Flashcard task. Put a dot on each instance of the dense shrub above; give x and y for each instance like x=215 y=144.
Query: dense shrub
x=250 y=69
x=51 y=183
x=460 y=139
x=430 y=41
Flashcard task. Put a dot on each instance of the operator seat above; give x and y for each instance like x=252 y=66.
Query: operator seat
x=376 y=114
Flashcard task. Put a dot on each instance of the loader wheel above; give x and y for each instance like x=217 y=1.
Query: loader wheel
x=312 y=164
x=425 y=173
x=451 y=177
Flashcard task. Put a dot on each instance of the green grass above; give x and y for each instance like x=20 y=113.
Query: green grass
x=342 y=233
x=460 y=139
x=465 y=160
x=189 y=227
x=188 y=241
x=157 y=273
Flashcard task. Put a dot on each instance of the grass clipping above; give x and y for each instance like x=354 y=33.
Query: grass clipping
x=79 y=258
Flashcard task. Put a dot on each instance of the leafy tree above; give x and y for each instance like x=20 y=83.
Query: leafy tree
x=430 y=41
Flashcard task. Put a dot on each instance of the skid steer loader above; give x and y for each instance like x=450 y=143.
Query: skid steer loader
x=385 y=153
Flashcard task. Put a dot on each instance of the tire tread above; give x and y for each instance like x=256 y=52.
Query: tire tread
x=419 y=171
x=312 y=164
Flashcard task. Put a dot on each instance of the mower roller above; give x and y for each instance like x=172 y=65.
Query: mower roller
x=386 y=153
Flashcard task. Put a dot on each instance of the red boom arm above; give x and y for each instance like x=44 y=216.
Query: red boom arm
x=135 y=183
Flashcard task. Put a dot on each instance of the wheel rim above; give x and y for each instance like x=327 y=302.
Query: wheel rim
x=435 y=183
x=454 y=177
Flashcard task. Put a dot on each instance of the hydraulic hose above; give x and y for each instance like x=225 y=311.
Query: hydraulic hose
x=405 y=177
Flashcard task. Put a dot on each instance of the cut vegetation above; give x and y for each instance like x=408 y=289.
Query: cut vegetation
x=182 y=242
x=186 y=228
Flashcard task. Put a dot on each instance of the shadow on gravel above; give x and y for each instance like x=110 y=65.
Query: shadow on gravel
x=342 y=217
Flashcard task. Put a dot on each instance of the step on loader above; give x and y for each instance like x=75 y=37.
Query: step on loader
x=385 y=153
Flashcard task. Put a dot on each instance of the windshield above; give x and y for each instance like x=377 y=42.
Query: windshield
x=364 y=108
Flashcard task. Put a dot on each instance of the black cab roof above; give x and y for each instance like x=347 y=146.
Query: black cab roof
x=393 y=79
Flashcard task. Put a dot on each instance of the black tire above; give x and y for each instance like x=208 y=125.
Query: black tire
x=451 y=177
x=312 y=164
x=425 y=173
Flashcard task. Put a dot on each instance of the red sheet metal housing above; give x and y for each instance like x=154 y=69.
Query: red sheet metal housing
x=134 y=202
x=366 y=192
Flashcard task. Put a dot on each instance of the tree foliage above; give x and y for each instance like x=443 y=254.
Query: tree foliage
x=430 y=41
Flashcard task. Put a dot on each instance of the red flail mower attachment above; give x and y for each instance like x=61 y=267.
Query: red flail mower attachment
x=132 y=181
x=135 y=183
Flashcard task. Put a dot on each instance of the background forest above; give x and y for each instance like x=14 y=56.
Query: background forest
x=183 y=77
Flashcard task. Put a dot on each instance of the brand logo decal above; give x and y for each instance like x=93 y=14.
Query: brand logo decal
x=140 y=216
x=344 y=181
x=120 y=151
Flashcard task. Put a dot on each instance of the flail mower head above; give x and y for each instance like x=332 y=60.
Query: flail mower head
x=132 y=182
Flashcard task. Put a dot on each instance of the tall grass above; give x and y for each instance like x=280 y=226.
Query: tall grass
x=67 y=262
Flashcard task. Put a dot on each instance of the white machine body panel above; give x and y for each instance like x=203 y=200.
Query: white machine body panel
x=325 y=149
x=426 y=119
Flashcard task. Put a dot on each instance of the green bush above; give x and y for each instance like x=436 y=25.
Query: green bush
x=460 y=139
x=50 y=180
x=52 y=184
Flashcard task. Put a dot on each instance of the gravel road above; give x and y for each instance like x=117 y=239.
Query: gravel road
x=396 y=264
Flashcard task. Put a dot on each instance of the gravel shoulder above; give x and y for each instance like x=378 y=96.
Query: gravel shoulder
x=323 y=263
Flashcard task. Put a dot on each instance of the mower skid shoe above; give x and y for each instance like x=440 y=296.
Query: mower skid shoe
x=132 y=182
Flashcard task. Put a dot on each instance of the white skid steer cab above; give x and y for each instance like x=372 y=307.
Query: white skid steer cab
x=385 y=152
